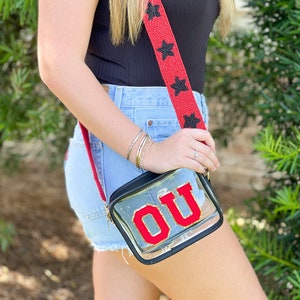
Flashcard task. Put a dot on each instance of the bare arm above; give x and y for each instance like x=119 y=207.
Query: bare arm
x=63 y=35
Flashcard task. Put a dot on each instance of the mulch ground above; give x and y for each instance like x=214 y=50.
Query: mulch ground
x=50 y=258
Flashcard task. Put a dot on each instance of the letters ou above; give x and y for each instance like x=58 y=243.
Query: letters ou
x=169 y=200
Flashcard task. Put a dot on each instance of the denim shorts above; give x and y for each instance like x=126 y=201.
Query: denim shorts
x=151 y=109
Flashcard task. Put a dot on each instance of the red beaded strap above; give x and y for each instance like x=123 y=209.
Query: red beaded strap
x=86 y=138
x=171 y=66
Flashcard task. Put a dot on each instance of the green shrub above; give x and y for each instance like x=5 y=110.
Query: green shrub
x=230 y=90
x=271 y=233
x=28 y=111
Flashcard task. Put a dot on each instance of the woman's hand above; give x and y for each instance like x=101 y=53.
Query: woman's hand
x=188 y=148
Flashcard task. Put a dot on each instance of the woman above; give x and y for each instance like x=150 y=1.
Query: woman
x=95 y=56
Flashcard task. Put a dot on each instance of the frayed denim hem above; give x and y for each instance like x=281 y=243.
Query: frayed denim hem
x=112 y=247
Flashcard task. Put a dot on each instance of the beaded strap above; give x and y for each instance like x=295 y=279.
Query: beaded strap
x=171 y=66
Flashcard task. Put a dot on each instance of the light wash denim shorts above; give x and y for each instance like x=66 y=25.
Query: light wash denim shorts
x=151 y=109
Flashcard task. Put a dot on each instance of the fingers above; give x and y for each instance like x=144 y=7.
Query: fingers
x=188 y=148
x=204 y=137
x=200 y=166
x=205 y=155
x=206 y=163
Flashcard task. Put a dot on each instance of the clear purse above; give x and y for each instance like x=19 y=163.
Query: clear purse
x=161 y=214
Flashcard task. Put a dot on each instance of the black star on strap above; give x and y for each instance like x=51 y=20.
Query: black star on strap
x=179 y=85
x=190 y=121
x=152 y=11
x=166 y=49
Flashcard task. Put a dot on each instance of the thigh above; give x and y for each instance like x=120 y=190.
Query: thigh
x=115 y=279
x=214 y=268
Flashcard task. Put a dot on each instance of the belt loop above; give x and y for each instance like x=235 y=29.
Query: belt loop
x=115 y=92
x=117 y=98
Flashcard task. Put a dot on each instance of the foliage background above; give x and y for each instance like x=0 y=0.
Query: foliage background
x=260 y=79
x=253 y=75
x=28 y=111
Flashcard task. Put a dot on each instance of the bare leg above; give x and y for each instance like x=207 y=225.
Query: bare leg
x=114 y=280
x=214 y=268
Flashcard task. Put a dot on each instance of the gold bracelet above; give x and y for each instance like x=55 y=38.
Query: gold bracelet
x=147 y=146
x=138 y=153
x=133 y=143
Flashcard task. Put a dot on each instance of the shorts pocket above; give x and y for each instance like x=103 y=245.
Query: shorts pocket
x=160 y=129
x=158 y=123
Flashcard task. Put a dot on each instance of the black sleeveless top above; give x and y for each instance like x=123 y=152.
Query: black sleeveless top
x=135 y=65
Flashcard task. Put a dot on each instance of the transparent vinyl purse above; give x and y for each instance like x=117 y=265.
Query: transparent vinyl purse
x=161 y=214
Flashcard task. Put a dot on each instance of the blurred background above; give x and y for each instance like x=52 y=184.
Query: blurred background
x=253 y=92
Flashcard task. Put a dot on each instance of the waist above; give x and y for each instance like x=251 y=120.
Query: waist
x=145 y=96
x=140 y=100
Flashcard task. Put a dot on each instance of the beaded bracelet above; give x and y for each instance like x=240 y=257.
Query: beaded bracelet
x=133 y=143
